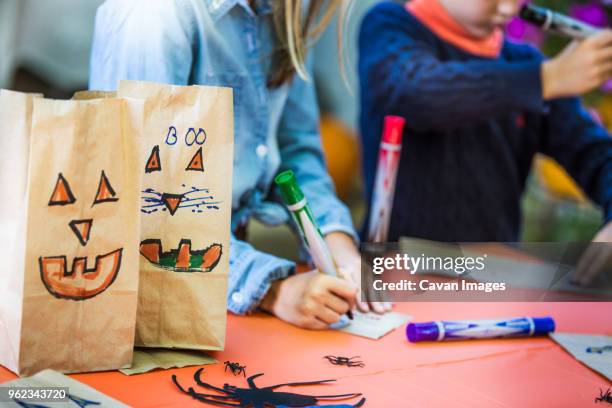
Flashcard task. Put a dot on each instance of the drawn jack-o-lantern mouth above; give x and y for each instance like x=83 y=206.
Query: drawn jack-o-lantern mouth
x=182 y=259
x=81 y=282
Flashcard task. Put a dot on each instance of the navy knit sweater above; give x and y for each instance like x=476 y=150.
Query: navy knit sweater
x=473 y=126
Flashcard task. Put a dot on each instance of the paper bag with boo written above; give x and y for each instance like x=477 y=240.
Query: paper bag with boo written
x=185 y=209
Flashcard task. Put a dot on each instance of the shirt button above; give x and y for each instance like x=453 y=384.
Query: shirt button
x=237 y=297
x=262 y=151
x=216 y=4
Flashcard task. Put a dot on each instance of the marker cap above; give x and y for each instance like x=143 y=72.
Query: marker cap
x=422 y=332
x=543 y=325
x=393 y=130
x=289 y=188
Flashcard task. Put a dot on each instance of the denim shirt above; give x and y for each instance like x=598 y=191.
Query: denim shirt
x=226 y=43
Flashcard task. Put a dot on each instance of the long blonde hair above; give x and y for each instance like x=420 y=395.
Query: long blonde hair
x=297 y=32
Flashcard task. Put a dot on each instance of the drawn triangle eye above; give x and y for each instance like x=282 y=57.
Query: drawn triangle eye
x=153 y=162
x=196 y=163
x=105 y=193
x=62 y=194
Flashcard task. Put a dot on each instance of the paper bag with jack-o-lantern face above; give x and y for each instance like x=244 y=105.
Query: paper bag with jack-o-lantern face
x=74 y=307
x=185 y=209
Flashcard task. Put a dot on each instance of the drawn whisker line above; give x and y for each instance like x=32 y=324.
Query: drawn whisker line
x=200 y=205
x=184 y=204
x=197 y=189
x=204 y=203
x=151 y=191
x=153 y=205
x=198 y=198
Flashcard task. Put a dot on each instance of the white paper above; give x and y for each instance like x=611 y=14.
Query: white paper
x=78 y=390
x=591 y=350
x=375 y=326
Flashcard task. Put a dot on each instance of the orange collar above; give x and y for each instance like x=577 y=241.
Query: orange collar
x=433 y=15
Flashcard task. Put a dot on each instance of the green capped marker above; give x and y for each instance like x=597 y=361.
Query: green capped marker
x=311 y=234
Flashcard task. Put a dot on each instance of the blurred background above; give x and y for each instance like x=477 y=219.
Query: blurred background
x=45 y=46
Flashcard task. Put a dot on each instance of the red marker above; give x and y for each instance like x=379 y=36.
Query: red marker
x=386 y=174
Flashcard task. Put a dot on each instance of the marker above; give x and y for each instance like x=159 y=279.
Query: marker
x=479 y=329
x=309 y=230
x=557 y=22
x=386 y=175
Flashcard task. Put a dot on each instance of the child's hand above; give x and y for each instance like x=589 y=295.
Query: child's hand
x=347 y=258
x=582 y=67
x=310 y=300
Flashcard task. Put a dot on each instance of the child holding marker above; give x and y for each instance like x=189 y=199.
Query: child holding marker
x=259 y=48
x=477 y=109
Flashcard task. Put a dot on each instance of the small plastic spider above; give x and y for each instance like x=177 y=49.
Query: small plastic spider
x=347 y=361
x=235 y=368
x=604 y=397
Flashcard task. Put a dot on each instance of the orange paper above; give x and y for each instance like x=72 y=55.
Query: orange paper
x=530 y=372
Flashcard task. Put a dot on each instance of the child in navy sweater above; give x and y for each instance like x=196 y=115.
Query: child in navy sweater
x=477 y=108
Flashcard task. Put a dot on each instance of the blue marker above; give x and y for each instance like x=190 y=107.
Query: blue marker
x=479 y=329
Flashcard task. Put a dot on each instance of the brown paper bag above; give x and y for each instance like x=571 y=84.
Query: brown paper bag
x=185 y=209
x=89 y=95
x=76 y=310
x=15 y=124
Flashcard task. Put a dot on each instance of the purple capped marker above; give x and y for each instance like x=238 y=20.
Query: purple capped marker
x=479 y=329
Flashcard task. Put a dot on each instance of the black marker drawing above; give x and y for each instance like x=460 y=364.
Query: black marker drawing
x=182 y=259
x=62 y=194
x=599 y=350
x=197 y=200
x=81 y=402
x=196 y=163
x=80 y=282
x=153 y=162
x=105 y=193
x=82 y=229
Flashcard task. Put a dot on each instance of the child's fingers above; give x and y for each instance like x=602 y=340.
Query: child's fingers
x=363 y=306
x=601 y=39
x=604 y=55
x=378 y=307
x=315 y=324
x=337 y=304
x=343 y=288
x=606 y=70
x=346 y=275
x=327 y=315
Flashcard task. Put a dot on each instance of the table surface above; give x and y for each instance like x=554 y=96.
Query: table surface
x=533 y=372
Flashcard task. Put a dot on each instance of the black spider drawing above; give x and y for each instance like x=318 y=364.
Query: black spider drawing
x=255 y=397
x=347 y=361
x=604 y=397
x=235 y=368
